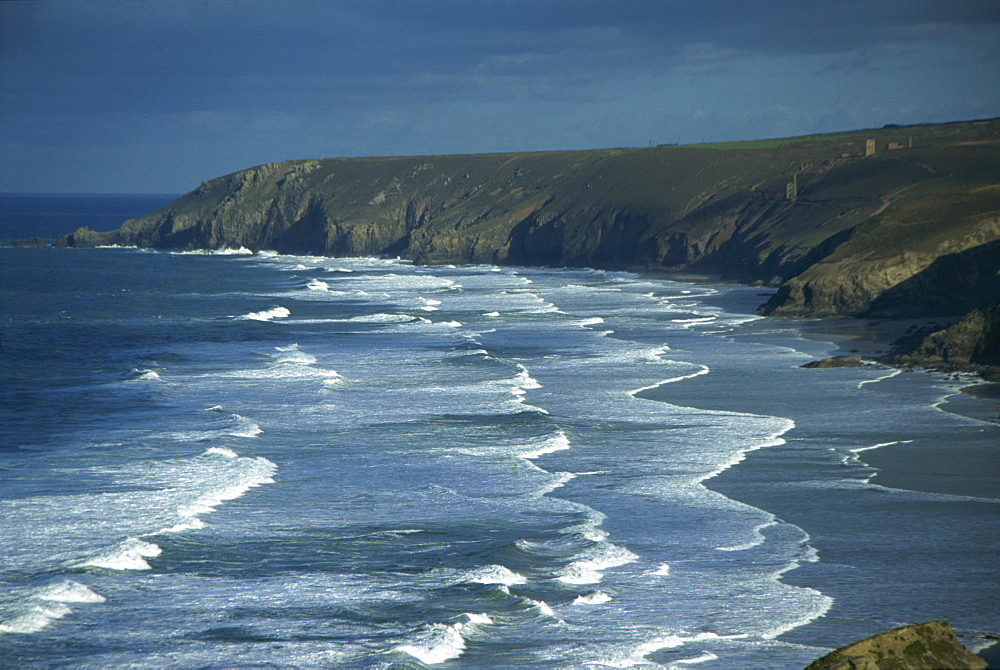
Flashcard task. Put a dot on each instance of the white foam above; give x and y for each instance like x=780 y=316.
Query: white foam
x=494 y=574
x=429 y=304
x=524 y=379
x=479 y=619
x=268 y=314
x=555 y=442
x=591 y=321
x=756 y=538
x=381 y=318
x=244 y=427
x=35 y=619
x=492 y=314
x=131 y=554
x=439 y=642
x=702 y=370
x=892 y=372
x=221 y=451
x=318 y=285
x=587 y=569
x=593 y=598
x=688 y=323
x=231 y=251
x=858 y=450
x=669 y=641
x=542 y=607
x=70 y=592
x=146 y=375
x=662 y=570
x=819 y=605
x=707 y=656
x=558 y=481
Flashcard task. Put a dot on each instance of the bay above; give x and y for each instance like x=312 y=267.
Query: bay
x=253 y=459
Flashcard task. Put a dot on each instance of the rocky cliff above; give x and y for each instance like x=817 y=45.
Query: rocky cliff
x=911 y=230
x=925 y=646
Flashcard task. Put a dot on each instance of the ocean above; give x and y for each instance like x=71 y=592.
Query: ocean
x=256 y=460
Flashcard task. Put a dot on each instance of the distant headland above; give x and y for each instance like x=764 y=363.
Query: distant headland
x=898 y=222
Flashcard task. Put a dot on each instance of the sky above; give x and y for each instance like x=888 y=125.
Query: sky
x=102 y=96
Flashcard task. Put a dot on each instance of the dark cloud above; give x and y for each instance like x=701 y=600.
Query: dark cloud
x=426 y=76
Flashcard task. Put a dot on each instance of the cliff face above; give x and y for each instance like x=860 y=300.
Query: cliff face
x=912 y=231
x=972 y=344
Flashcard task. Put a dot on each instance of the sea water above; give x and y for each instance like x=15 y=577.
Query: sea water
x=236 y=459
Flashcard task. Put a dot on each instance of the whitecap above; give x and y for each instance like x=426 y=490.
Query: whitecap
x=146 y=375
x=579 y=573
x=69 y=591
x=593 y=598
x=436 y=644
x=429 y=304
x=318 y=285
x=268 y=314
x=130 y=554
x=37 y=617
x=244 y=427
x=225 y=452
x=494 y=574
x=543 y=607
x=555 y=442
x=587 y=568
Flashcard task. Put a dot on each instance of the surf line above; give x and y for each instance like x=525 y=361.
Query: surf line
x=704 y=370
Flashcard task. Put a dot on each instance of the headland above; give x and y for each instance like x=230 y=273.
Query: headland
x=901 y=222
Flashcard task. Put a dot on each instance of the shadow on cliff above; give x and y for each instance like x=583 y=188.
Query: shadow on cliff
x=952 y=285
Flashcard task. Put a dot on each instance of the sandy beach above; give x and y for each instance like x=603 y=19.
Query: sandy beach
x=962 y=470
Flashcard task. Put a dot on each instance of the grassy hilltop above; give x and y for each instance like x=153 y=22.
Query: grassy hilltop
x=912 y=230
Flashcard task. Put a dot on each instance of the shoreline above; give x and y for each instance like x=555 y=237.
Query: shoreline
x=957 y=470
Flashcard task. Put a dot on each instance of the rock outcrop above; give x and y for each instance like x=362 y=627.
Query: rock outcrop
x=907 y=232
x=970 y=345
x=925 y=646
x=838 y=362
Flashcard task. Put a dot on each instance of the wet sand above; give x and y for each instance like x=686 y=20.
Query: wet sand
x=956 y=470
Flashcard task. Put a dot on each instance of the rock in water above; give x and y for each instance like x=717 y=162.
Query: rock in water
x=838 y=362
x=922 y=646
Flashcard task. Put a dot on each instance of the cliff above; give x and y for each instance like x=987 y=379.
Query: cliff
x=912 y=230
x=925 y=646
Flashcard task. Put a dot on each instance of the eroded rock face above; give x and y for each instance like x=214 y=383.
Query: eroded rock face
x=925 y=646
x=970 y=345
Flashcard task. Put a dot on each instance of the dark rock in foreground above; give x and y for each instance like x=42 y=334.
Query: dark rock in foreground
x=924 y=646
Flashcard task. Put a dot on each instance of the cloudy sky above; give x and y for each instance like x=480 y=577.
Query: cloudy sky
x=156 y=96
